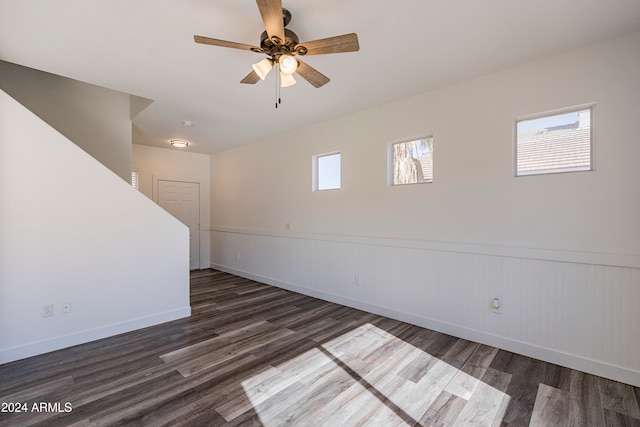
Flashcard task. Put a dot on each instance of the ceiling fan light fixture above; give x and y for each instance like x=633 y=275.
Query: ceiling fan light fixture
x=288 y=64
x=263 y=67
x=178 y=143
x=286 y=80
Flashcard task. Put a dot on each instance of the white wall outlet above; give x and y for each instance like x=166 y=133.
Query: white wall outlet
x=357 y=279
x=495 y=304
x=288 y=227
x=47 y=310
x=66 y=306
x=237 y=256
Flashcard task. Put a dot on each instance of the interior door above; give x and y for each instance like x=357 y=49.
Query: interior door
x=182 y=200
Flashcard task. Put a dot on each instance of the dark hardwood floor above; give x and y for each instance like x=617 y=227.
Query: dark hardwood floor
x=252 y=354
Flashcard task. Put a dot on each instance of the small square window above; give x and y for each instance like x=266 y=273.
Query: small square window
x=554 y=143
x=411 y=162
x=326 y=172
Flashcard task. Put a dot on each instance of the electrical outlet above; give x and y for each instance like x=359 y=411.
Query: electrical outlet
x=237 y=256
x=287 y=226
x=47 y=310
x=357 y=279
x=495 y=304
x=66 y=307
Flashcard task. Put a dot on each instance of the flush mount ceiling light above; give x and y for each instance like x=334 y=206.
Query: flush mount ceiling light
x=178 y=143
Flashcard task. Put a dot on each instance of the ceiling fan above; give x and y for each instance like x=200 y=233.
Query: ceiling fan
x=281 y=45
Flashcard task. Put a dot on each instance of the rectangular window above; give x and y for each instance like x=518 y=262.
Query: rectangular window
x=326 y=172
x=411 y=162
x=134 y=178
x=555 y=143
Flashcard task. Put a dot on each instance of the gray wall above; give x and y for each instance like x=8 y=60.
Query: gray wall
x=94 y=118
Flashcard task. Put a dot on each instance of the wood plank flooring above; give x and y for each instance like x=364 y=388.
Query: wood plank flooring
x=253 y=354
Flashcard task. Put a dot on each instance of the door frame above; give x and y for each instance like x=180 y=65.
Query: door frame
x=154 y=195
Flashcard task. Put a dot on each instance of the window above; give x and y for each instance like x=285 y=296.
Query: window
x=555 y=143
x=326 y=172
x=134 y=178
x=411 y=162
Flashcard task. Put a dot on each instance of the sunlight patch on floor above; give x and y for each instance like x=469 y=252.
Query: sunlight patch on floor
x=388 y=382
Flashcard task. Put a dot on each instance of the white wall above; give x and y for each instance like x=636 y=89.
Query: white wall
x=97 y=119
x=155 y=163
x=563 y=251
x=72 y=230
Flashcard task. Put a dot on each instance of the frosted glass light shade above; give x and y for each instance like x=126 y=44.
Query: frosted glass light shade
x=262 y=68
x=288 y=64
x=178 y=143
x=286 y=80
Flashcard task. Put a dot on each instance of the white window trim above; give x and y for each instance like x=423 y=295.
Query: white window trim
x=592 y=161
x=390 y=160
x=315 y=170
x=135 y=178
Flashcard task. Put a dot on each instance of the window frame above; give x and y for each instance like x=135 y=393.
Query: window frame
x=135 y=178
x=557 y=112
x=390 y=160
x=315 y=167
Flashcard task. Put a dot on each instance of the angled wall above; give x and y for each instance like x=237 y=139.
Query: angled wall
x=72 y=230
x=96 y=119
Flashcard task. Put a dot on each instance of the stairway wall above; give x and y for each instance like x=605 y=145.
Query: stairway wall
x=95 y=118
x=73 y=231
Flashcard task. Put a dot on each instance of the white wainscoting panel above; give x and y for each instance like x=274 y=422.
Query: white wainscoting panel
x=581 y=315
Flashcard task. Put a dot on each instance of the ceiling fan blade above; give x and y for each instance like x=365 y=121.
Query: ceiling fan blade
x=223 y=43
x=271 y=12
x=337 y=44
x=251 y=78
x=310 y=74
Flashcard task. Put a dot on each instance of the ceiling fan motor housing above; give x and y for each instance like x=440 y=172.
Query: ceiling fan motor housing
x=275 y=48
x=291 y=39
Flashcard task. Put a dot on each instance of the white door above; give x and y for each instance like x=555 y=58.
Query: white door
x=182 y=200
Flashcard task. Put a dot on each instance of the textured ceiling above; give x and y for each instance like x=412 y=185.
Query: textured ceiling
x=146 y=48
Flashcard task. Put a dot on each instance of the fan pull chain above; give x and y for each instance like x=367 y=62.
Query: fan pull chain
x=279 y=101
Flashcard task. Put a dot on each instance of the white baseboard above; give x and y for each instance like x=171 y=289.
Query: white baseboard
x=594 y=367
x=69 y=340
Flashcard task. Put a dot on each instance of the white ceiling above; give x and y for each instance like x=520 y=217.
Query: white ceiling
x=146 y=48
